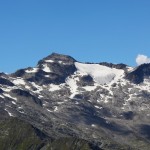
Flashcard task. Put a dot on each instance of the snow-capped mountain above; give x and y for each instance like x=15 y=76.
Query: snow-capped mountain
x=65 y=98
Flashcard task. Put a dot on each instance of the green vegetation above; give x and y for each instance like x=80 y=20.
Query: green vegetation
x=18 y=135
x=69 y=144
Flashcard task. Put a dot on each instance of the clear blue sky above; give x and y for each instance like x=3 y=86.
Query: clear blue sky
x=89 y=30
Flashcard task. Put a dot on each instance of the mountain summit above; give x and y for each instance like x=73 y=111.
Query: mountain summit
x=78 y=105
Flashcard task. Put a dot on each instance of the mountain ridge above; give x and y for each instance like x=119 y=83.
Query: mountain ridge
x=102 y=103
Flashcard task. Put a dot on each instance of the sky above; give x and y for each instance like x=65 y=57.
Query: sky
x=116 y=31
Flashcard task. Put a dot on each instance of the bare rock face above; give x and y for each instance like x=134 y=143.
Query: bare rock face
x=57 y=69
x=79 y=105
x=86 y=80
x=117 y=66
x=139 y=74
x=4 y=81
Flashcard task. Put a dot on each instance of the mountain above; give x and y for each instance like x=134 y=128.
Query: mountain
x=64 y=104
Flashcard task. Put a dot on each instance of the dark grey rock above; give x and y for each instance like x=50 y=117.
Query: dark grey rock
x=4 y=81
x=117 y=66
x=137 y=76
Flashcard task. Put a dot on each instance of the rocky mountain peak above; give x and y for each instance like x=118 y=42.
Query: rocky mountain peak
x=138 y=74
x=58 y=58
x=54 y=68
x=65 y=98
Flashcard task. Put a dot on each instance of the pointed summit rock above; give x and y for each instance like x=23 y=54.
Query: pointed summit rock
x=58 y=58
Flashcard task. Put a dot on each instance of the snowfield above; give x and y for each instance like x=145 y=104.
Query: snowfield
x=100 y=74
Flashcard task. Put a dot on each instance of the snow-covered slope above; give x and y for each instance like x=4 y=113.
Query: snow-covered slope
x=100 y=74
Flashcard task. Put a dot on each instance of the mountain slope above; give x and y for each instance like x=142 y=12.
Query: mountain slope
x=100 y=103
x=16 y=134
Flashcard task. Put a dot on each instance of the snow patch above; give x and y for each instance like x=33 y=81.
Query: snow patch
x=49 y=61
x=59 y=103
x=130 y=69
x=47 y=76
x=2 y=96
x=40 y=96
x=55 y=108
x=60 y=62
x=33 y=70
x=39 y=89
x=49 y=110
x=8 y=89
x=7 y=95
x=144 y=86
x=9 y=113
x=54 y=87
x=45 y=104
x=98 y=107
x=93 y=125
x=20 y=109
x=73 y=86
x=14 y=102
x=76 y=103
x=27 y=87
x=90 y=88
x=100 y=74
x=19 y=81
x=46 y=68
